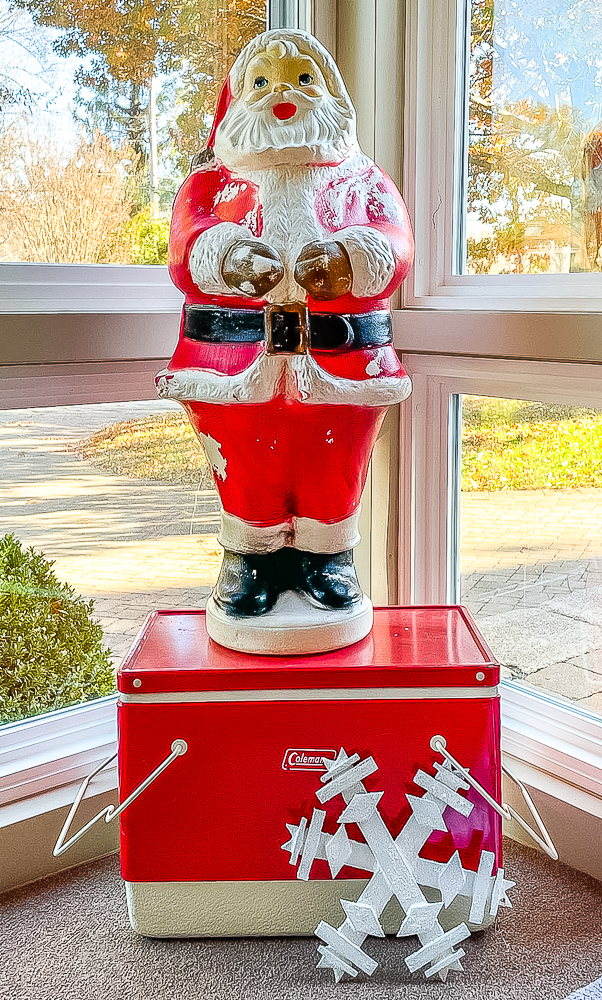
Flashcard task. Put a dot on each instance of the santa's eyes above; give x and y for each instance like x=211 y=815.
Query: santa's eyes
x=261 y=82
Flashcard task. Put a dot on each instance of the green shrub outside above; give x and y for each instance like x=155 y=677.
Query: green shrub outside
x=51 y=652
x=147 y=238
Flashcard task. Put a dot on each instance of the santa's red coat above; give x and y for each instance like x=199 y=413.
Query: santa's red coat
x=285 y=458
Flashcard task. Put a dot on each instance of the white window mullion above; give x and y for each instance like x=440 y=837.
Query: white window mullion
x=429 y=430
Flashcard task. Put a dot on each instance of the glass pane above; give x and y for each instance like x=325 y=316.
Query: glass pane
x=534 y=185
x=91 y=96
x=120 y=498
x=531 y=541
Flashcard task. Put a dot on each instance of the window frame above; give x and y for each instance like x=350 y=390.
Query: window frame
x=496 y=335
x=555 y=742
x=56 y=749
x=87 y=288
x=437 y=35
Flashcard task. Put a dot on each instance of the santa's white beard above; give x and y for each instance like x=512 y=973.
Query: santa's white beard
x=321 y=131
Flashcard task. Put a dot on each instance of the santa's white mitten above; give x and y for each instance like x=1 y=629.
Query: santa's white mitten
x=251 y=268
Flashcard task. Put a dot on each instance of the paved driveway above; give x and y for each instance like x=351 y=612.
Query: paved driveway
x=131 y=545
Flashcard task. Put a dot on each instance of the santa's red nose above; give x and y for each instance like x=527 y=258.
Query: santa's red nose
x=284 y=110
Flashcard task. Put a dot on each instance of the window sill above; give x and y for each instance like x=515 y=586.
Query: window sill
x=87 y=288
x=47 y=752
x=534 y=336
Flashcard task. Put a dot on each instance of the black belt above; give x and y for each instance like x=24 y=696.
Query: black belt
x=327 y=331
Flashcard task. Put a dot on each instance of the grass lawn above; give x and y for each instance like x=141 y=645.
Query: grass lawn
x=507 y=444
x=510 y=444
x=161 y=448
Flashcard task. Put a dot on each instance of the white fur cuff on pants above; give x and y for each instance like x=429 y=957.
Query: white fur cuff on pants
x=301 y=533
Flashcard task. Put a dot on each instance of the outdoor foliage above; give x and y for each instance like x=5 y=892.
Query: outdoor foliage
x=163 y=448
x=146 y=238
x=513 y=445
x=507 y=444
x=535 y=150
x=59 y=206
x=125 y=45
x=51 y=654
x=91 y=204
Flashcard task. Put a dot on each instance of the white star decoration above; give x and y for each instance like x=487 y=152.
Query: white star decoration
x=397 y=869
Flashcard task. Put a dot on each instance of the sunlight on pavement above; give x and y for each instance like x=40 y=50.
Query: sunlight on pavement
x=131 y=545
x=182 y=561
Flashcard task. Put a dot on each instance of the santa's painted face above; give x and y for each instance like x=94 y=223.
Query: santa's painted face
x=284 y=116
x=283 y=76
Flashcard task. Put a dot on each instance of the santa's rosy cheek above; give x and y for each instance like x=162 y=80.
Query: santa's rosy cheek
x=284 y=110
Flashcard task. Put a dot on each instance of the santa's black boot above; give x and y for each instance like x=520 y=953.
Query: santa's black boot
x=248 y=584
x=330 y=579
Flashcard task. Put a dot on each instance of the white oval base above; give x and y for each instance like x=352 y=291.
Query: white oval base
x=294 y=626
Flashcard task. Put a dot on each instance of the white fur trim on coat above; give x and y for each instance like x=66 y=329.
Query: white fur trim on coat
x=316 y=536
x=321 y=388
x=256 y=384
x=298 y=377
x=237 y=535
x=372 y=260
x=303 y=533
x=208 y=252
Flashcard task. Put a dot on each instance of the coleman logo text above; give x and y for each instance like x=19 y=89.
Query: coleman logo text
x=306 y=760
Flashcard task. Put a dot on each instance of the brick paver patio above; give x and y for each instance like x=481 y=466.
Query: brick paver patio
x=531 y=563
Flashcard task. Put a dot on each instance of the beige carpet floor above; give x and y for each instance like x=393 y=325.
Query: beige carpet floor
x=68 y=938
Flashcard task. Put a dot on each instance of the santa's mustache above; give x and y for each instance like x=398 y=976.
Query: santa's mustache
x=304 y=102
x=322 y=123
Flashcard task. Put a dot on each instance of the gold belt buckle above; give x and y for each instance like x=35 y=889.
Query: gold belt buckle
x=278 y=332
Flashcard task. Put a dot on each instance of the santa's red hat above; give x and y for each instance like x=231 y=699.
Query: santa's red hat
x=294 y=40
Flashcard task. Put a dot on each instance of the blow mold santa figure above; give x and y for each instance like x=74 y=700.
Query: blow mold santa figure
x=287 y=242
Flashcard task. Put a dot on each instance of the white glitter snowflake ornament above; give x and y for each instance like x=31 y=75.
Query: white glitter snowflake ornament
x=397 y=870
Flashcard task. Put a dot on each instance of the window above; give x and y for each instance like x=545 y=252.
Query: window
x=462 y=334
x=518 y=169
x=531 y=199
x=118 y=497
x=555 y=746
x=104 y=106
x=530 y=541
x=98 y=129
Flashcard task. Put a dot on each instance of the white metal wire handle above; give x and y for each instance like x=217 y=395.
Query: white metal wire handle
x=178 y=748
x=439 y=744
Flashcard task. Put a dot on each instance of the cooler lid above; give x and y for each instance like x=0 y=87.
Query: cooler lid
x=414 y=647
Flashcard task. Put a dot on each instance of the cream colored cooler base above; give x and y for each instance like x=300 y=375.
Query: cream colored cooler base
x=295 y=625
x=259 y=909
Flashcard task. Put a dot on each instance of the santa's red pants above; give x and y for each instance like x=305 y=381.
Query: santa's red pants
x=287 y=472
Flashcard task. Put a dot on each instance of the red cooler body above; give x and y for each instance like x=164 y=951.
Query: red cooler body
x=201 y=847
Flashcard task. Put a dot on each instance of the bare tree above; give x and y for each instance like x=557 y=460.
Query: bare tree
x=59 y=207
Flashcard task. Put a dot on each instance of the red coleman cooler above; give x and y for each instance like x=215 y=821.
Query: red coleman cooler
x=208 y=848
